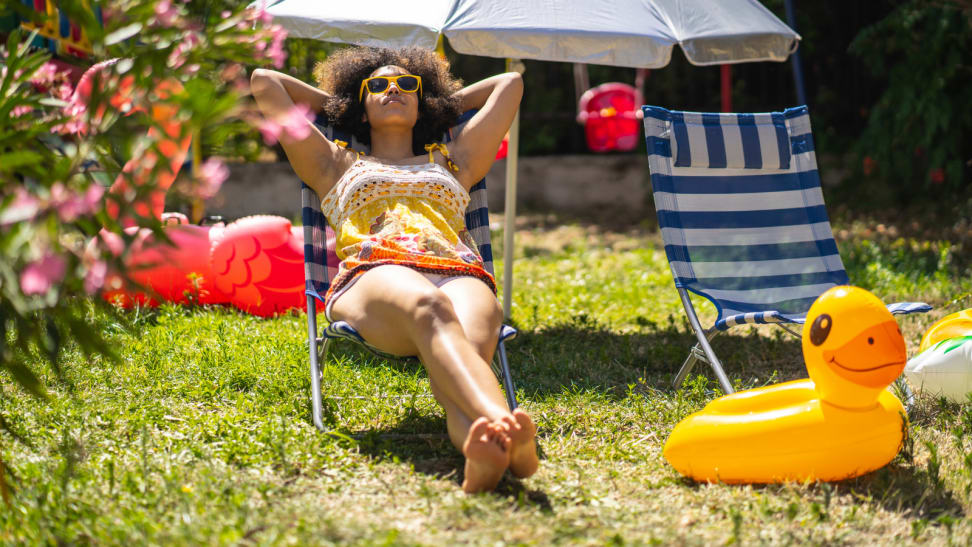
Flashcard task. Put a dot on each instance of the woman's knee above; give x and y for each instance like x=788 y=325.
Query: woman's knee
x=431 y=306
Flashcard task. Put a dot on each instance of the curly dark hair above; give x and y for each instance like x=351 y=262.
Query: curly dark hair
x=340 y=75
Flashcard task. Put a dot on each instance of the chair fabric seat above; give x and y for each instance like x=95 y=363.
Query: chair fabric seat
x=742 y=213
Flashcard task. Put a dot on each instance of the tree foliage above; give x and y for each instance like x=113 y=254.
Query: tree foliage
x=59 y=150
x=919 y=133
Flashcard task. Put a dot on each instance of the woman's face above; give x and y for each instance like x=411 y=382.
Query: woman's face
x=393 y=107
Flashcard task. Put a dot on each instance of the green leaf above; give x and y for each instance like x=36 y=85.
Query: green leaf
x=19 y=158
x=123 y=33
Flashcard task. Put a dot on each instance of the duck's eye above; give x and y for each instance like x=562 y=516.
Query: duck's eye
x=820 y=329
x=870 y=340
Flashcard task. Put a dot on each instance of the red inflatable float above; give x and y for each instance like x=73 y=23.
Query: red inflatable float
x=255 y=263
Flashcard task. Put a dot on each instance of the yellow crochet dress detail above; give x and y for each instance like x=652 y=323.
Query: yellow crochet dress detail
x=409 y=215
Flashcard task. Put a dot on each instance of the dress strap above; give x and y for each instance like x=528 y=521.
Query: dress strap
x=344 y=145
x=430 y=148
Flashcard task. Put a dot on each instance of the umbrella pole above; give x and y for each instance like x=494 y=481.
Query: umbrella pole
x=509 y=208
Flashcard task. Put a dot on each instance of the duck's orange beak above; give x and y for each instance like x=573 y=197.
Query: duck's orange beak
x=873 y=358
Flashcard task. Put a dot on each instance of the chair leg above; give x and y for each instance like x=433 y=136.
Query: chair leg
x=695 y=355
x=789 y=330
x=703 y=339
x=315 y=364
x=507 y=377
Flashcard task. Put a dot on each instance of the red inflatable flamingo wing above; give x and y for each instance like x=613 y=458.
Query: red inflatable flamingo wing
x=259 y=264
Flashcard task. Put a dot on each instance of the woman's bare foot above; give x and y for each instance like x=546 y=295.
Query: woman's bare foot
x=487 y=455
x=523 y=448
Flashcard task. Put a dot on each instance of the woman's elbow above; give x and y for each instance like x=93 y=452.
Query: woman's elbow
x=515 y=82
x=259 y=80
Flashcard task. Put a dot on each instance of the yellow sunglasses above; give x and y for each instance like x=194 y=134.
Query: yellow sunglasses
x=407 y=83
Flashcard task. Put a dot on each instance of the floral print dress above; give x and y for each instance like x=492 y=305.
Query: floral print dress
x=408 y=215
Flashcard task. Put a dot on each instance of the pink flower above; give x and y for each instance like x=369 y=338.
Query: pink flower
x=276 y=52
x=23 y=207
x=166 y=13
x=211 y=176
x=39 y=276
x=70 y=204
x=21 y=110
x=92 y=197
x=277 y=55
x=45 y=75
x=94 y=278
x=262 y=15
x=63 y=91
x=296 y=123
x=270 y=131
x=179 y=54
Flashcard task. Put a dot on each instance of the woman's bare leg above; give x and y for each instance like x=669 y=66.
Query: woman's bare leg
x=481 y=317
x=399 y=311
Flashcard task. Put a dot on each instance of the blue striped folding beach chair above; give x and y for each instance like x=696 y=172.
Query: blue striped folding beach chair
x=321 y=263
x=743 y=219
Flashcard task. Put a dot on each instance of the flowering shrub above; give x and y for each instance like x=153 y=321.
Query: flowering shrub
x=919 y=133
x=174 y=77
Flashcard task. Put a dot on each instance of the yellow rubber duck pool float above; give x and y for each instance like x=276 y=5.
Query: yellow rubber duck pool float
x=839 y=423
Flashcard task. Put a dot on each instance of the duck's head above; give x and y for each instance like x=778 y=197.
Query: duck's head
x=852 y=346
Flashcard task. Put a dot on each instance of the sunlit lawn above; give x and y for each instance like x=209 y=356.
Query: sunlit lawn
x=201 y=433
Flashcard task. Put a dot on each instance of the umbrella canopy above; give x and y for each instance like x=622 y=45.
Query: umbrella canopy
x=632 y=33
x=375 y=23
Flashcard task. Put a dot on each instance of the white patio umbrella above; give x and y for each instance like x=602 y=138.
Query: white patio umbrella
x=632 y=33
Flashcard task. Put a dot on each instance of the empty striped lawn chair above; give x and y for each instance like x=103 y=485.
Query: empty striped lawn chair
x=743 y=219
x=321 y=263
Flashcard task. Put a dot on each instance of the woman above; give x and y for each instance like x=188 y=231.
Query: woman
x=411 y=280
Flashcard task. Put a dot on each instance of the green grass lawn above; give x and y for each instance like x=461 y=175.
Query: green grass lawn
x=201 y=432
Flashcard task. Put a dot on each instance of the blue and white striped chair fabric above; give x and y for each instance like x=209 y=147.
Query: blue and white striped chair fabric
x=321 y=263
x=742 y=214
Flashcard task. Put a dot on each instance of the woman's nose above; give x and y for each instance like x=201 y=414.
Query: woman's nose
x=391 y=86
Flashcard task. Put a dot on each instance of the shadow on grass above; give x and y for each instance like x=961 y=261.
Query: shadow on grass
x=419 y=440
x=584 y=355
x=901 y=487
x=898 y=487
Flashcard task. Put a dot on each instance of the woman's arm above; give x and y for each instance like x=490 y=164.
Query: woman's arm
x=497 y=99
x=316 y=160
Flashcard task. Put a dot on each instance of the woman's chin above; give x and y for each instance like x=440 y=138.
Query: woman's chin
x=393 y=122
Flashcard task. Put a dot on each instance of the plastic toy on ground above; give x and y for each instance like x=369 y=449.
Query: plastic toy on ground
x=943 y=366
x=840 y=423
x=955 y=325
x=255 y=264
x=609 y=115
